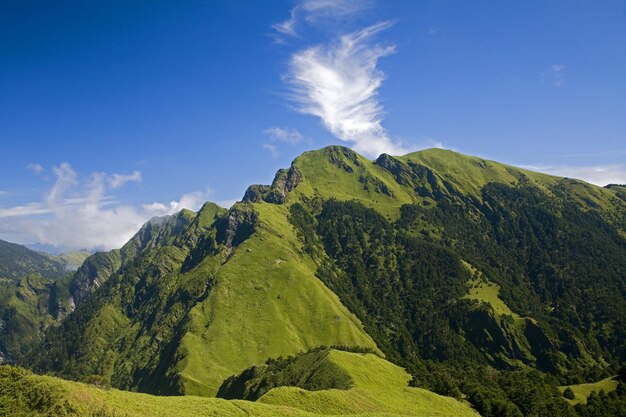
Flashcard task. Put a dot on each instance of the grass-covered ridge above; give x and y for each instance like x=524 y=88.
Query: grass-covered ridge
x=330 y=381
x=469 y=273
x=205 y=296
x=378 y=388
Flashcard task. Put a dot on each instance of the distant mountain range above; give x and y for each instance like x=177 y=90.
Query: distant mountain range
x=486 y=282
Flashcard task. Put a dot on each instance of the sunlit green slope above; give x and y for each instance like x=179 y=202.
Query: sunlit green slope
x=207 y=299
x=434 y=256
x=330 y=381
x=374 y=387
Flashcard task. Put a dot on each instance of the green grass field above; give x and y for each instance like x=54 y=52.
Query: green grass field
x=582 y=391
x=378 y=388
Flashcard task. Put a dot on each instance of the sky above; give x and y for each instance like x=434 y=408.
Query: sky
x=114 y=112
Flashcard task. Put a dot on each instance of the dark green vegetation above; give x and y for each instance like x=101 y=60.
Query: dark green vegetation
x=26 y=311
x=17 y=261
x=547 y=256
x=311 y=371
x=200 y=299
x=486 y=282
x=31 y=302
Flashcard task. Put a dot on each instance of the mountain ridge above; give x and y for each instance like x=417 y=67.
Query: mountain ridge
x=439 y=261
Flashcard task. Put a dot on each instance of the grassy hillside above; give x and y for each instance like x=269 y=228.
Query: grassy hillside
x=212 y=296
x=469 y=273
x=582 y=391
x=377 y=388
x=330 y=381
x=469 y=263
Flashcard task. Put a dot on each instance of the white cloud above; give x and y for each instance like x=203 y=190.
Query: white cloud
x=315 y=12
x=227 y=203
x=339 y=84
x=272 y=149
x=284 y=134
x=598 y=174
x=29 y=209
x=36 y=168
x=77 y=213
x=117 y=180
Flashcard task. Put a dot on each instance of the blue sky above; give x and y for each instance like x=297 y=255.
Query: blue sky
x=112 y=112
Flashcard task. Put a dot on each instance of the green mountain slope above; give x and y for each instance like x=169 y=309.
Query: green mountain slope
x=330 y=381
x=25 y=313
x=470 y=273
x=376 y=388
x=205 y=298
x=17 y=261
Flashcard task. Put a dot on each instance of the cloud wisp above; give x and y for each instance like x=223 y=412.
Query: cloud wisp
x=79 y=212
x=314 y=12
x=339 y=84
x=118 y=180
x=36 y=168
x=338 y=81
x=597 y=174
x=282 y=136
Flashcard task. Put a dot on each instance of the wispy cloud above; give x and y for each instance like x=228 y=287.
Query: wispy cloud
x=314 y=12
x=79 y=213
x=284 y=135
x=597 y=174
x=118 y=180
x=339 y=83
x=556 y=75
x=281 y=135
x=29 y=209
x=36 y=168
x=338 y=80
x=272 y=149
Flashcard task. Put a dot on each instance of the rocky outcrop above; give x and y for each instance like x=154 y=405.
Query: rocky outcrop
x=284 y=182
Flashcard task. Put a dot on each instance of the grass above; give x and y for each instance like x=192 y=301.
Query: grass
x=24 y=311
x=267 y=302
x=378 y=386
x=582 y=391
x=483 y=290
x=323 y=178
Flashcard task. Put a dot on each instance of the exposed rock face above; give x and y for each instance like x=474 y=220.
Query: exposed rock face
x=92 y=274
x=255 y=193
x=239 y=225
x=284 y=181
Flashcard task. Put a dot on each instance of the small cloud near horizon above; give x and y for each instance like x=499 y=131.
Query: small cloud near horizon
x=600 y=175
x=79 y=212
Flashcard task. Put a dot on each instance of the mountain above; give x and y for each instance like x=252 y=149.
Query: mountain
x=31 y=295
x=17 y=261
x=485 y=281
